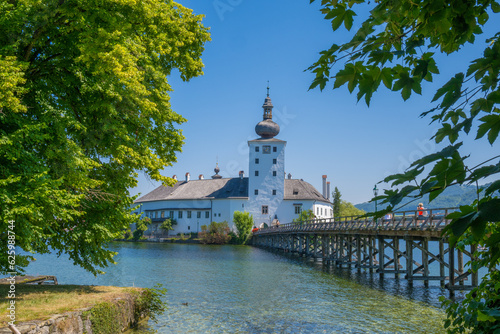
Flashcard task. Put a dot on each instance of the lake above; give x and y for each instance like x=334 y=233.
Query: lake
x=242 y=289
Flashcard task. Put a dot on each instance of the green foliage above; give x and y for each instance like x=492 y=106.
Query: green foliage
x=104 y=318
x=141 y=226
x=336 y=203
x=84 y=105
x=395 y=46
x=304 y=216
x=244 y=223
x=348 y=209
x=479 y=312
x=109 y=317
x=149 y=303
x=168 y=224
x=127 y=234
x=215 y=233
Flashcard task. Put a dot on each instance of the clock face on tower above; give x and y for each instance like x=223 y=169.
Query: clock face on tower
x=266 y=149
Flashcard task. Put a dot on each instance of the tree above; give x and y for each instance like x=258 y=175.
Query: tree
x=304 y=216
x=84 y=106
x=396 y=46
x=243 y=222
x=336 y=202
x=141 y=226
x=348 y=209
x=168 y=224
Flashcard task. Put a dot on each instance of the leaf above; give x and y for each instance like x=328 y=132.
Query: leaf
x=483 y=172
x=478 y=229
x=348 y=19
x=484 y=317
x=451 y=91
x=387 y=77
x=491 y=125
x=460 y=225
x=494 y=186
x=495 y=7
x=490 y=210
x=446 y=152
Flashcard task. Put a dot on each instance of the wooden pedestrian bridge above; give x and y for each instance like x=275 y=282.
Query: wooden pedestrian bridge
x=402 y=244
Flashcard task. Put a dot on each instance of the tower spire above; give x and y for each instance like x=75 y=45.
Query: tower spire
x=267 y=128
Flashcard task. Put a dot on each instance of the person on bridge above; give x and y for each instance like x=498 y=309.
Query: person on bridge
x=421 y=210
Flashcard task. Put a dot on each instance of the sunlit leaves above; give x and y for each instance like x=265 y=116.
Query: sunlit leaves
x=490 y=124
x=84 y=105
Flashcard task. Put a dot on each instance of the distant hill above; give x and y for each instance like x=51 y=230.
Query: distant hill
x=452 y=197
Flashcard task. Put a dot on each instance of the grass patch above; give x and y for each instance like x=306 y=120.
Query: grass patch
x=40 y=302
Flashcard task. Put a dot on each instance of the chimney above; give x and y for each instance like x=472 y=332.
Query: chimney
x=187 y=176
x=289 y=176
x=174 y=177
x=328 y=190
x=242 y=173
x=324 y=186
x=200 y=177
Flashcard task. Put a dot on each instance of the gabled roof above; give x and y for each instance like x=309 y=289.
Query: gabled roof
x=296 y=190
x=302 y=190
x=199 y=189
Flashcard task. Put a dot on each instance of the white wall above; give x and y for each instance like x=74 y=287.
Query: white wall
x=266 y=182
x=218 y=210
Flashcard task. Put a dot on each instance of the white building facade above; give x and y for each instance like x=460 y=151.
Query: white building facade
x=267 y=193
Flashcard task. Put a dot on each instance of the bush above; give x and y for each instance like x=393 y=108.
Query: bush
x=243 y=222
x=215 y=233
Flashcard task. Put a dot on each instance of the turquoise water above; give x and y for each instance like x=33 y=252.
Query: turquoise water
x=241 y=289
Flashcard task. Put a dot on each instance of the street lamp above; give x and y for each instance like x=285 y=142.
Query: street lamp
x=375 y=193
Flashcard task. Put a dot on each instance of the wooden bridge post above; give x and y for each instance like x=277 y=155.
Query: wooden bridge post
x=358 y=251
x=441 y=263
x=451 y=262
x=371 y=255
x=397 y=263
x=425 y=260
x=409 y=260
x=306 y=236
x=474 y=278
x=316 y=246
x=381 y=255
x=349 y=251
x=341 y=257
x=324 y=248
x=460 y=263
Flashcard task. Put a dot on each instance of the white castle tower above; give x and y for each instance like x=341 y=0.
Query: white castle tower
x=266 y=185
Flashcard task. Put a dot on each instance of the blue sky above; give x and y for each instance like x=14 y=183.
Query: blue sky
x=327 y=132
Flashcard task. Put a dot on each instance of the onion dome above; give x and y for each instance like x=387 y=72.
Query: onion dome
x=267 y=128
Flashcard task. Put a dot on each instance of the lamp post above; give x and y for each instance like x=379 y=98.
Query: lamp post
x=375 y=193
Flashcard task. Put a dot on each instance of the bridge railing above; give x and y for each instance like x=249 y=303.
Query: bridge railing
x=432 y=219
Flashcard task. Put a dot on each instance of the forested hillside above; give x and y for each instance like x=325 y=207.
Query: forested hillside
x=452 y=197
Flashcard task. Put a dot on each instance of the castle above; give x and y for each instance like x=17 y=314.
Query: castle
x=268 y=194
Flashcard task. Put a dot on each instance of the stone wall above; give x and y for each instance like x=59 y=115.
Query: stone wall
x=80 y=321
